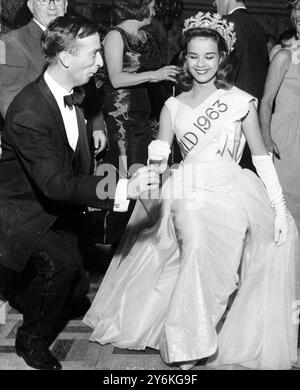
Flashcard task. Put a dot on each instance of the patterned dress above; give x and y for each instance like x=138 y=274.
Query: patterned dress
x=127 y=110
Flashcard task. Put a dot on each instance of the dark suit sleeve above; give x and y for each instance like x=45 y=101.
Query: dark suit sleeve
x=45 y=165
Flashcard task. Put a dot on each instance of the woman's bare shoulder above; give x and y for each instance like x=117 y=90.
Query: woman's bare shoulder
x=282 y=57
x=113 y=35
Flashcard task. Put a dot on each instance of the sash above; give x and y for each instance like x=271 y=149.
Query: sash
x=216 y=115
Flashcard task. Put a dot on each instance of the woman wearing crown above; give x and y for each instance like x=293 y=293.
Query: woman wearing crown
x=215 y=227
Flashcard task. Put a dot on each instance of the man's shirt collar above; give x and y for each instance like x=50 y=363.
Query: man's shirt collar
x=40 y=24
x=241 y=7
x=58 y=91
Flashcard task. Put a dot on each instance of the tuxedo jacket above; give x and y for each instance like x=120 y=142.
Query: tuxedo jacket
x=41 y=177
x=251 y=53
x=24 y=61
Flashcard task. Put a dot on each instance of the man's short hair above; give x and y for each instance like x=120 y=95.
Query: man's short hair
x=61 y=35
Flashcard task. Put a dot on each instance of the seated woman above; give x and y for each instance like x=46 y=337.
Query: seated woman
x=169 y=283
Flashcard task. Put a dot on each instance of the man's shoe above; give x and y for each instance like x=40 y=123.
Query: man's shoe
x=39 y=359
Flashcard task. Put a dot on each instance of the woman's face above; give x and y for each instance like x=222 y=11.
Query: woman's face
x=203 y=59
x=151 y=7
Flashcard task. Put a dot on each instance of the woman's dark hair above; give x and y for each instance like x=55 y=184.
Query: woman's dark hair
x=62 y=33
x=226 y=72
x=287 y=34
x=130 y=9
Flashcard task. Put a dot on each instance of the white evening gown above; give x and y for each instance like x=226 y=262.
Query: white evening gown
x=168 y=284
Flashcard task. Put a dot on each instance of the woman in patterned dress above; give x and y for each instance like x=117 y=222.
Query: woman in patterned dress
x=131 y=60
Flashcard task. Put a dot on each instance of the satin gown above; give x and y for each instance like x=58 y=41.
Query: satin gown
x=182 y=257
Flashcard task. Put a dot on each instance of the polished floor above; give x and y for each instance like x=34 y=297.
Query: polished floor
x=75 y=351
x=72 y=347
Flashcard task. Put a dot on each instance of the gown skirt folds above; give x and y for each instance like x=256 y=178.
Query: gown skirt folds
x=183 y=255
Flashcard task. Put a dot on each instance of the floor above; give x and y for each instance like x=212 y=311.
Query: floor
x=73 y=348
x=75 y=351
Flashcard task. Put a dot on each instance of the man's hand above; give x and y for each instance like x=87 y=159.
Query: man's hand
x=100 y=141
x=145 y=179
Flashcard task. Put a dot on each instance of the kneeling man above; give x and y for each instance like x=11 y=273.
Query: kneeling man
x=44 y=182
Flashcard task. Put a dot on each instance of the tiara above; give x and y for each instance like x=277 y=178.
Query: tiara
x=213 y=22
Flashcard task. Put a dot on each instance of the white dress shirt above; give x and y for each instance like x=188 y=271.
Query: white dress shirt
x=71 y=126
x=240 y=7
x=40 y=24
x=68 y=114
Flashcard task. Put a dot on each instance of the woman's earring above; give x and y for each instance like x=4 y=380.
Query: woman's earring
x=185 y=70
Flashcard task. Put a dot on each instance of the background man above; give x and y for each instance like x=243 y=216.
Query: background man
x=251 y=53
x=44 y=182
x=24 y=60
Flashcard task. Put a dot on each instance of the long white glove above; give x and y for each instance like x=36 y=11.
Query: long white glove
x=158 y=153
x=267 y=172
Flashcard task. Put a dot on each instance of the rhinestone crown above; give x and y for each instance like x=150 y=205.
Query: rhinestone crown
x=213 y=22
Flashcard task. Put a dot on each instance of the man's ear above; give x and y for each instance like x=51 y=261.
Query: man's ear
x=65 y=58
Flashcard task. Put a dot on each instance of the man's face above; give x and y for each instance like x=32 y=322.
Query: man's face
x=86 y=59
x=44 y=11
x=222 y=6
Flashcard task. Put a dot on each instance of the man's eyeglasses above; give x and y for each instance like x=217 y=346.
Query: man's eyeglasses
x=47 y=2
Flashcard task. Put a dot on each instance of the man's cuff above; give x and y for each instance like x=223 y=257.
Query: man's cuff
x=121 y=202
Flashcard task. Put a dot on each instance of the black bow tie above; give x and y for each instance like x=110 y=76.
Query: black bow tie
x=75 y=99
